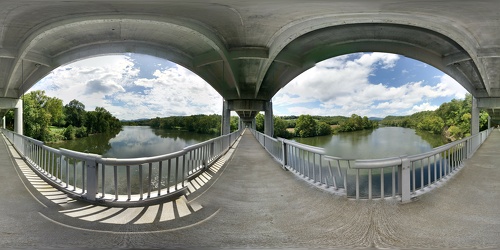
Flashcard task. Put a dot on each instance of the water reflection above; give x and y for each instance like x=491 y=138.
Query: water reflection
x=135 y=141
x=378 y=143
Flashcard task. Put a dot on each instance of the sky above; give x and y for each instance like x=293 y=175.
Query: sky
x=135 y=86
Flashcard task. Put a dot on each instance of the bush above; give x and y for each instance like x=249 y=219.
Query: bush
x=81 y=132
x=324 y=129
x=69 y=133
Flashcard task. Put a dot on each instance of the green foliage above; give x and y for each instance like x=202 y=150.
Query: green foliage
x=69 y=133
x=323 y=129
x=356 y=123
x=81 y=132
x=41 y=112
x=280 y=126
x=431 y=123
x=306 y=126
x=259 y=122
x=75 y=113
x=234 y=121
x=36 y=116
x=451 y=119
x=204 y=124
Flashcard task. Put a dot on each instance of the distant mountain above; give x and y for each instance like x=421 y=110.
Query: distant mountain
x=375 y=118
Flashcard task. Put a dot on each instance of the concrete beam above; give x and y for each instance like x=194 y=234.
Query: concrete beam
x=247 y=105
x=207 y=58
x=488 y=102
x=9 y=103
x=249 y=53
x=488 y=52
x=7 y=53
x=39 y=59
x=289 y=59
x=456 y=58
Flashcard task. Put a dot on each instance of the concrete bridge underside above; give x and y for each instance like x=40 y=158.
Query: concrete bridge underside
x=250 y=201
x=249 y=50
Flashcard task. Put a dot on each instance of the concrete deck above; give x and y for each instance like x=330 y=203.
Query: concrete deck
x=249 y=201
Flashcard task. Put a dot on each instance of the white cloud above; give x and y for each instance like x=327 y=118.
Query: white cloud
x=342 y=87
x=113 y=82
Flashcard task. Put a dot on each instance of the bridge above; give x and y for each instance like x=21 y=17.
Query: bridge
x=248 y=51
x=246 y=199
x=229 y=192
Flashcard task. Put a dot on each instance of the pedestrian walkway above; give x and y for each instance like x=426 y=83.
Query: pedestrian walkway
x=250 y=201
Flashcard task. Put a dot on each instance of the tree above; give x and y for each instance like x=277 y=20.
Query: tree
x=324 y=129
x=259 y=122
x=306 y=126
x=55 y=107
x=36 y=117
x=75 y=113
x=280 y=127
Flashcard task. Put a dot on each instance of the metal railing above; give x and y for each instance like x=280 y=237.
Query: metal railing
x=401 y=177
x=121 y=181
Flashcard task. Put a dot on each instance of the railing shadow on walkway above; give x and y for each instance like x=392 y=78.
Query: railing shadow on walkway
x=120 y=182
x=402 y=178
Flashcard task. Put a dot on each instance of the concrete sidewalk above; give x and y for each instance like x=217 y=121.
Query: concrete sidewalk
x=250 y=201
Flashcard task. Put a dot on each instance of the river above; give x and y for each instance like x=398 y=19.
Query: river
x=377 y=143
x=134 y=142
x=143 y=141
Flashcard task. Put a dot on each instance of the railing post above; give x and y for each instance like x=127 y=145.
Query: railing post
x=284 y=154
x=404 y=188
x=91 y=179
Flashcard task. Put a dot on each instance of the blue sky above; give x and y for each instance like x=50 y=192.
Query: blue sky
x=133 y=86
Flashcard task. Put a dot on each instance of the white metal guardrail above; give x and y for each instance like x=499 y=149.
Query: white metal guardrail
x=121 y=182
x=401 y=177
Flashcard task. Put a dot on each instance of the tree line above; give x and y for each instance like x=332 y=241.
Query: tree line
x=47 y=119
x=452 y=119
x=310 y=126
x=204 y=124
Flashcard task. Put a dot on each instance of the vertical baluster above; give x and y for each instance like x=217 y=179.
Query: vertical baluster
x=66 y=159
x=413 y=176
x=370 y=184
x=435 y=169
x=129 y=191
x=394 y=182
x=83 y=175
x=160 y=175
x=103 y=179
x=150 y=181
x=421 y=174
x=140 y=182
x=176 y=172
x=357 y=184
x=428 y=171
x=382 y=184
x=184 y=175
x=74 y=174
x=115 y=176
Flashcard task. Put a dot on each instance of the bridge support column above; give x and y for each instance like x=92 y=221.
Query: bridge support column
x=269 y=119
x=489 y=122
x=3 y=123
x=475 y=117
x=254 y=124
x=226 y=119
x=17 y=105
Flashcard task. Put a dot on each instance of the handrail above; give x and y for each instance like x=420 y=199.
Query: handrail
x=112 y=181
x=404 y=176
